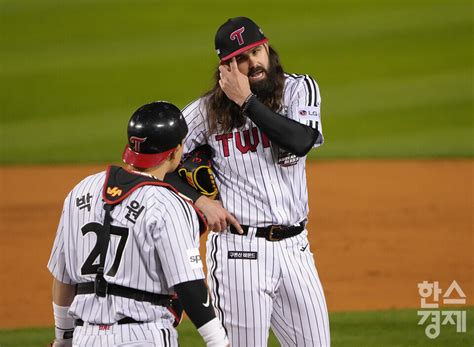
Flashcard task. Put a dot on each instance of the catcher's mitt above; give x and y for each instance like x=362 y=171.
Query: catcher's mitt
x=196 y=169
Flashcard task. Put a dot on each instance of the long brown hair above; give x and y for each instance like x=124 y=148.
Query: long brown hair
x=225 y=115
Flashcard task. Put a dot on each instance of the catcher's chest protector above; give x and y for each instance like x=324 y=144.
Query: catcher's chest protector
x=120 y=183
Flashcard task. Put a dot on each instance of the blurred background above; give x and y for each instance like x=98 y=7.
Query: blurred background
x=396 y=79
x=395 y=76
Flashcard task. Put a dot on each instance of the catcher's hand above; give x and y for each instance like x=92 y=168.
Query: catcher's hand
x=196 y=169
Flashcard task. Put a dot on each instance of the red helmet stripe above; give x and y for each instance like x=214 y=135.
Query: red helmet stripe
x=144 y=160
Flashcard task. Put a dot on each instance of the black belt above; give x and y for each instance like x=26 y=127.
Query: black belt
x=126 y=320
x=126 y=292
x=272 y=232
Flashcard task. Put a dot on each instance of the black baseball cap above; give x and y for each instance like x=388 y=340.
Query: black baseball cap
x=236 y=36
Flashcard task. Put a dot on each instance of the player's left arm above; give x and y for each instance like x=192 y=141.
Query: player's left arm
x=305 y=106
x=290 y=134
x=63 y=296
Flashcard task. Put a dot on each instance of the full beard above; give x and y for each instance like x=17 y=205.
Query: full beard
x=265 y=88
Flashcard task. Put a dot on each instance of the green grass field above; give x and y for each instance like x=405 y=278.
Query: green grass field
x=393 y=328
x=395 y=76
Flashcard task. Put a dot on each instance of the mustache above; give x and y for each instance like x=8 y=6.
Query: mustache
x=257 y=69
x=264 y=88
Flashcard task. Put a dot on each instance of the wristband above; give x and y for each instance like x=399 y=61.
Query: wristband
x=246 y=103
x=63 y=322
x=213 y=334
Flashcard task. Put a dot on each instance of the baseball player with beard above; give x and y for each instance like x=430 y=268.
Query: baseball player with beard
x=127 y=242
x=260 y=123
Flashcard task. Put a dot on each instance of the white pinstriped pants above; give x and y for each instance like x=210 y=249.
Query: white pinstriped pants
x=277 y=287
x=126 y=335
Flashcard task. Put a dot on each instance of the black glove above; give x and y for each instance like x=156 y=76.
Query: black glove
x=196 y=169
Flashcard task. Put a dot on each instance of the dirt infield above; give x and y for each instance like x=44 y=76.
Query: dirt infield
x=378 y=228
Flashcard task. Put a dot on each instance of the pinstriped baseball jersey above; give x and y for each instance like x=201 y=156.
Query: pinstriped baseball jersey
x=256 y=284
x=260 y=183
x=154 y=240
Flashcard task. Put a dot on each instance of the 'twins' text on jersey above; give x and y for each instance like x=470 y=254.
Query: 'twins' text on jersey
x=260 y=183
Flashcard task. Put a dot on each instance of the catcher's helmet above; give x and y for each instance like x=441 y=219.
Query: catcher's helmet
x=154 y=131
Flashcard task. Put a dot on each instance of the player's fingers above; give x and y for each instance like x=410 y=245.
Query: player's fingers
x=231 y=219
x=226 y=65
x=213 y=226
x=223 y=224
x=223 y=70
x=216 y=224
x=217 y=227
x=233 y=65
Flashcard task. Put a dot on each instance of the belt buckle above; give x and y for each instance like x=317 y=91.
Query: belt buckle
x=270 y=233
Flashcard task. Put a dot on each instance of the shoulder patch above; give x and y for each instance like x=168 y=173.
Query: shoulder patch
x=120 y=183
x=308 y=112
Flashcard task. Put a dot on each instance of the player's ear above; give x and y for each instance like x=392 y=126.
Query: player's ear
x=176 y=153
x=173 y=154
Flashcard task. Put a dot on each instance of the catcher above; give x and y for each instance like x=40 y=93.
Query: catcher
x=127 y=243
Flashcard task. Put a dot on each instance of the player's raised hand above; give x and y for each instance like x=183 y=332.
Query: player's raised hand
x=218 y=218
x=234 y=83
